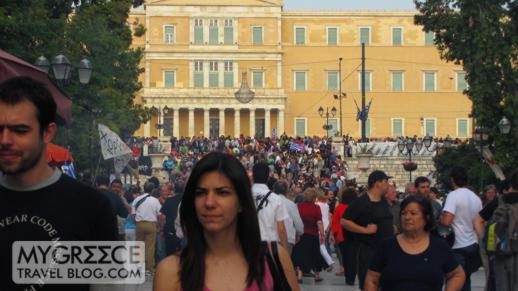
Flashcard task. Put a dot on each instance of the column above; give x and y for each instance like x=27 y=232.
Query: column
x=280 y=122
x=237 y=122
x=147 y=129
x=267 y=130
x=176 y=122
x=221 y=121
x=191 y=122
x=206 y=124
x=252 y=122
x=161 y=121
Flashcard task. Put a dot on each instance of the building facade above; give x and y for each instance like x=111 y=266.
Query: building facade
x=296 y=62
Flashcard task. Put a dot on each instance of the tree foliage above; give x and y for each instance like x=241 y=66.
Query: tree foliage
x=482 y=35
x=96 y=30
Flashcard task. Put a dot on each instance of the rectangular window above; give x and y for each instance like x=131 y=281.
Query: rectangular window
x=332 y=81
x=429 y=127
x=228 y=75
x=257 y=79
x=198 y=31
x=397 y=36
x=213 y=74
x=198 y=74
x=334 y=126
x=332 y=36
x=397 y=81
x=429 y=38
x=213 y=31
x=300 y=81
x=397 y=127
x=228 y=32
x=429 y=82
x=365 y=35
x=462 y=128
x=461 y=82
x=300 y=127
x=300 y=35
x=257 y=35
x=368 y=81
x=169 y=34
x=169 y=79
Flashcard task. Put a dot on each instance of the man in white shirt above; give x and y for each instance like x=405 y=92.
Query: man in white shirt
x=146 y=210
x=293 y=224
x=270 y=210
x=460 y=210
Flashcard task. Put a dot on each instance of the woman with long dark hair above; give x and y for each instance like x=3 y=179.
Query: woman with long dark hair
x=219 y=220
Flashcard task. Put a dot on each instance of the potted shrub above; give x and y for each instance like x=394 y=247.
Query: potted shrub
x=409 y=166
x=364 y=155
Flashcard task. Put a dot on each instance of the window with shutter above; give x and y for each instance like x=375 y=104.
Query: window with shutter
x=397 y=127
x=428 y=38
x=300 y=127
x=429 y=127
x=257 y=79
x=429 y=81
x=332 y=81
x=169 y=79
x=198 y=74
x=300 y=81
x=257 y=35
x=397 y=36
x=462 y=128
x=461 y=82
x=228 y=75
x=228 y=32
x=168 y=34
x=332 y=36
x=198 y=31
x=300 y=35
x=365 y=35
x=213 y=31
x=397 y=81
x=213 y=74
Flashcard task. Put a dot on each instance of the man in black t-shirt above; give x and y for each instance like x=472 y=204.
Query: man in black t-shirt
x=38 y=202
x=169 y=212
x=370 y=220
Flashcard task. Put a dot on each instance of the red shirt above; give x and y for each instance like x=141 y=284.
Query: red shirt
x=336 y=227
x=310 y=214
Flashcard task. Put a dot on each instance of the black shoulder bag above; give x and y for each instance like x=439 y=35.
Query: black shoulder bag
x=280 y=283
x=265 y=198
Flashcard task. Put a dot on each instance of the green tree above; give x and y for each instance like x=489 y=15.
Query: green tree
x=481 y=35
x=96 y=30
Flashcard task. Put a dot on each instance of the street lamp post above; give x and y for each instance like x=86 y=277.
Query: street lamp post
x=326 y=126
x=409 y=144
x=480 y=137
x=160 y=122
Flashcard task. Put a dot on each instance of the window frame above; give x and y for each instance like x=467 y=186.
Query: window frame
x=173 y=41
x=213 y=71
x=295 y=27
x=435 y=125
x=337 y=80
x=402 y=126
x=402 y=80
x=262 y=78
x=228 y=67
x=197 y=21
x=164 y=78
x=434 y=80
x=295 y=81
x=360 y=35
x=295 y=125
x=262 y=34
x=402 y=35
x=433 y=38
x=211 y=26
x=337 y=35
x=225 y=26
x=457 y=120
x=369 y=88
x=199 y=70
x=457 y=81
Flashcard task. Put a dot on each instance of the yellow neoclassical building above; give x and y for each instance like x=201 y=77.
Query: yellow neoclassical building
x=196 y=51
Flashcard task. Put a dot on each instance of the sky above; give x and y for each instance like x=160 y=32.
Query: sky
x=349 y=4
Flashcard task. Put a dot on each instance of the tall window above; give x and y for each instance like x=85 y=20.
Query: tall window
x=198 y=74
x=169 y=79
x=213 y=31
x=368 y=81
x=198 y=31
x=169 y=34
x=428 y=38
x=397 y=36
x=397 y=127
x=429 y=82
x=213 y=74
x=300 y=35
x=332 y=36
x=461 y=82
x=300 y=127
x=429 y=127
x=365 y=35
x=462 y=127
x=258 y=79
x=397 y=81
x=332 y=81
x=300 y=81
x=228 y=32
x=257 y=35
x=228 y=75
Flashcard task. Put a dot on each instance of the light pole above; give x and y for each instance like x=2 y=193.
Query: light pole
x=326 y=126
x=160 y=122
x=480 y=137
x=340 y=91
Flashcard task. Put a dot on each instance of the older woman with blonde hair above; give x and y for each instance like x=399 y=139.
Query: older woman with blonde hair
x=306 y=253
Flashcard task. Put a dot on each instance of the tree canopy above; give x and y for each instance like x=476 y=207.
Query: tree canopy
x=482 y=36
x=97 y=30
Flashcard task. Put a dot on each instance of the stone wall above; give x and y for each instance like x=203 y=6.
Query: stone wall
x=393 y=167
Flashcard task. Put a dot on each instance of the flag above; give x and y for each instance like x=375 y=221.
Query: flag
x=358 y=111
x=294 y=146
x=68 y=169
x=366 y=113
x=120 y=162
x=111 y=144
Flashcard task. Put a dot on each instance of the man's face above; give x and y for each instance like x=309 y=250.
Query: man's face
x=21 y=143
x=383 y=186
x=391 y=194
x=116 y=187
x=423 y=189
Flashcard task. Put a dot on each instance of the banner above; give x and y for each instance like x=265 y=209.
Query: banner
x=111 y=144
x=120 y=162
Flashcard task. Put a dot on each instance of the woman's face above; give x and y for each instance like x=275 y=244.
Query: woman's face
x=412 y=218
x=216 y=203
